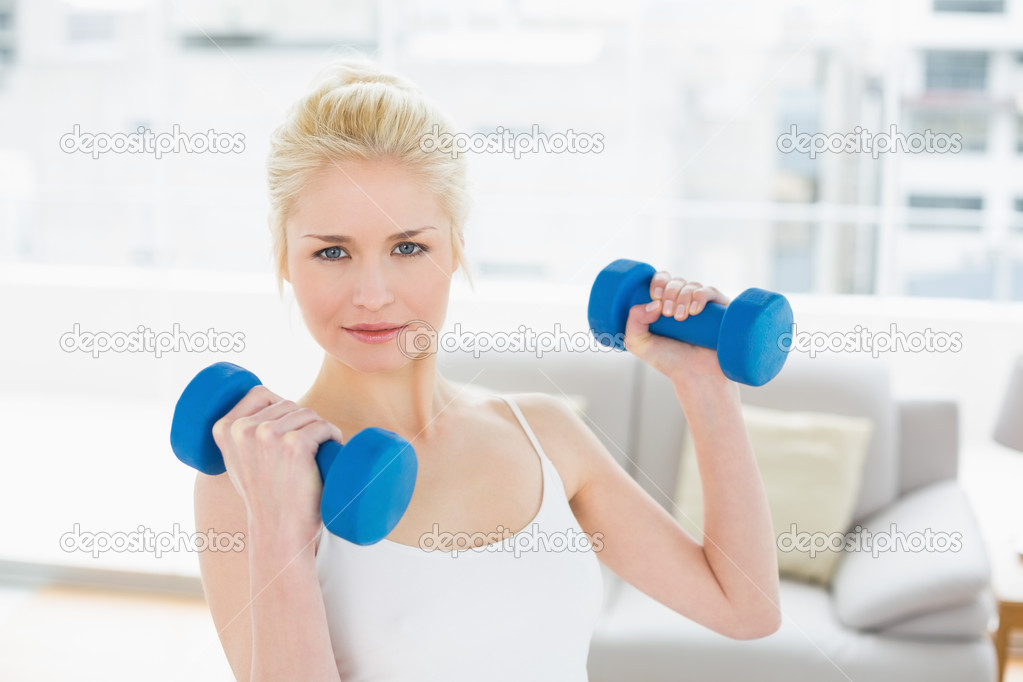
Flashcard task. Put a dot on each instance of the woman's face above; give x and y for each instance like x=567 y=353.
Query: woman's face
x=368 y=245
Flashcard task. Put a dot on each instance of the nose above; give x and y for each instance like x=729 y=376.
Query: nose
x=371 y=287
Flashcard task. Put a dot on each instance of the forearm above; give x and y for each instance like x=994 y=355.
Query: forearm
x=290 y=638
x=738 y=533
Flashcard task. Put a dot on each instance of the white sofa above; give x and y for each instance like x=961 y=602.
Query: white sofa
x=899 y=617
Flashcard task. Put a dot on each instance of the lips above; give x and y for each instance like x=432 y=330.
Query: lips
x=380 y=332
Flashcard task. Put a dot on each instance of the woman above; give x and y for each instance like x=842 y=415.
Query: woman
x=367 y=230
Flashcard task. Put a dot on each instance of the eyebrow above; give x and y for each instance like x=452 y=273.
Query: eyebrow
x=345 y=239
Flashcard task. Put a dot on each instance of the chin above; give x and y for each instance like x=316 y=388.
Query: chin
x=372 y=360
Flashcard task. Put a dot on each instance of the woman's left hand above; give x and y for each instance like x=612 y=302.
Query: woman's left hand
x=678 y=298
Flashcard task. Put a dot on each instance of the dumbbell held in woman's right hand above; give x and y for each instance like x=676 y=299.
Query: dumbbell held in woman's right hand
x=746 y=334
x=367 y=483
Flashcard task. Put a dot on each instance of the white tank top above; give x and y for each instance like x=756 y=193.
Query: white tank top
x=522 y=608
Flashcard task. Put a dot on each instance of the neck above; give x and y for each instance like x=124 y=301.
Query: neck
x=406 y=401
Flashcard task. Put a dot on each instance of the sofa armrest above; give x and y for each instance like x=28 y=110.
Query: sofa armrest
x=924 y=553
x=928 y=442
x=967 y=621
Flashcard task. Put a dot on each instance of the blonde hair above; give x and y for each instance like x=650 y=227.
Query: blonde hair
x=357 y=111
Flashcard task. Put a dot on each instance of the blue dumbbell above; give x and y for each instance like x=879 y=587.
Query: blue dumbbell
x=746 y=333
x=367 y=483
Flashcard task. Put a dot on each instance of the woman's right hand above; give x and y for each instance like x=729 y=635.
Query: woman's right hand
x=269 y=446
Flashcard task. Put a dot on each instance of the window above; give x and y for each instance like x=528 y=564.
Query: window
x=91 y=27
x=971 y=126
x=977 y=6
x=7 y=28
x=937 y=201
x=956 y=70
x=933 y=216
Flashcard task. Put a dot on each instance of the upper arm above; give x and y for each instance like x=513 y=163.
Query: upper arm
x=632 y=534
x=225 y=574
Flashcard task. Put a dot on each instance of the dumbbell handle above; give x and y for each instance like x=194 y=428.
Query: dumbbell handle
x=220 y=397
x=701 y=329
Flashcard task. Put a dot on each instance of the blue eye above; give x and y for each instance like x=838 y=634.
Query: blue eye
x=413 y=245
x=330 y=253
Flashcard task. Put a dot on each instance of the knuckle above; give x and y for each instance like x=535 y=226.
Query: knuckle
x=239 y=427
x=291 y=438
x=265 y=431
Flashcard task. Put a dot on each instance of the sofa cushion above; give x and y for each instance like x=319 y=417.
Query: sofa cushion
x=850 y=386
x=641 y=639
x=811 y=465
x=924 y=553
x=967 y=621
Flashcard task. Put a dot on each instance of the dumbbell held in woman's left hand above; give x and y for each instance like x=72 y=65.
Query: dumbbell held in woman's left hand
x=746 y=334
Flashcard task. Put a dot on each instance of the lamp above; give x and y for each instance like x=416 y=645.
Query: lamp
x=1009 y=428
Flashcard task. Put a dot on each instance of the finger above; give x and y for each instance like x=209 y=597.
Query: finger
x=705 y=295
x=303 y=417
x=657 y=283
x=278 y=419
x=258 y=398
x=637 y=324
x=276 y=411
x=671 y=293
x=684 y=299
x=316 y=433
x=265 y=421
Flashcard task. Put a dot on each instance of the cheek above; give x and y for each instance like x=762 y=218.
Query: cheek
x=430 y=287
x=311 y=293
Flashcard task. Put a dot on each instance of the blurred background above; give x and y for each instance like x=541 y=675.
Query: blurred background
x=693 y=102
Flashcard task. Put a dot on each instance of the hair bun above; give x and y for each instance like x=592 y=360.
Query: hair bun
x=353 y=71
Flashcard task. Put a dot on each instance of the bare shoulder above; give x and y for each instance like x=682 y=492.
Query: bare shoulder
x=562 y=434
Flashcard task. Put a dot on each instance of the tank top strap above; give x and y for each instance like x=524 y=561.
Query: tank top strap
x=525 y=427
